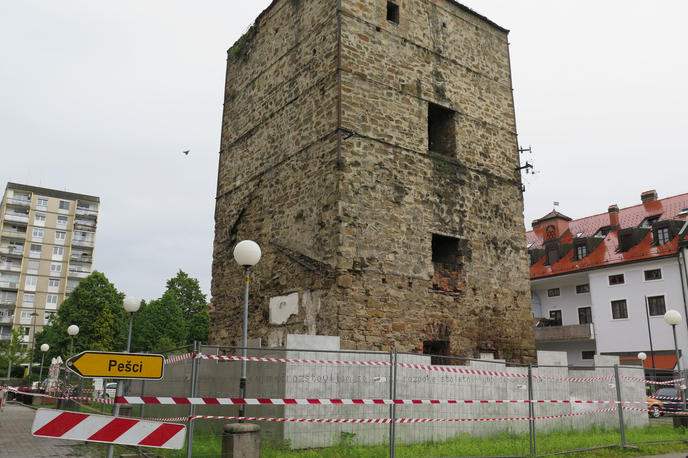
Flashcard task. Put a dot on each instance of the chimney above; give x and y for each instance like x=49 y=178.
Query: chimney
x=648 y=196
x=613 y=215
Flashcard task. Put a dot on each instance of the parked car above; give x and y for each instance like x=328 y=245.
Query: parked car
x=670 y=398
x=110 y=390
x=655 y=407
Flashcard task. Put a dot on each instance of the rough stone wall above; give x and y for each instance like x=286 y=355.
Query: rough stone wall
x=362 y=240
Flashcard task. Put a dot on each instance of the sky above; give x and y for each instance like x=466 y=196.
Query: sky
x=102 y=98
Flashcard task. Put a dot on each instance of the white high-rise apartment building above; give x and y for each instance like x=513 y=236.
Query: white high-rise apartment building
x=46 y=248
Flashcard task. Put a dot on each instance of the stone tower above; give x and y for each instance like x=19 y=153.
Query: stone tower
x=369 y=147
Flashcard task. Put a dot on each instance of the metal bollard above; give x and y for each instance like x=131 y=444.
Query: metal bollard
x=241 y=440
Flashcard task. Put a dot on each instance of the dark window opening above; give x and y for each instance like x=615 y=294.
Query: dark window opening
x=656 y=305
x=393 y=12
x=662 y=235
x=617 y=279
x=438 y=350
x=625 y=242
x=585 y=315
x=588 y=354
x=582 y=289
x=603 y=231
x=655 y=274
x=619 y=309
x=555 y=316
x=554 y=292
x=441 y=130
x=449 y=256
x=648 y=222
x=552 y=256
x=581 y=251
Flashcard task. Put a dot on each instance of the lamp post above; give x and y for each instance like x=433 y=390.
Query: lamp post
x=672 y=317
x=33 y=341
x=44 y=348
x=72 y=331
x=246 y=254
x=131 y=304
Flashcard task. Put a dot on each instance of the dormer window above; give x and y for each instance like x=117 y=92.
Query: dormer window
x=552 y=255
x=602 y=232
x=625 y=242
x=662 y=235
x=683 y=212
x=578 y=234
x=650 y=220
x=581 y=251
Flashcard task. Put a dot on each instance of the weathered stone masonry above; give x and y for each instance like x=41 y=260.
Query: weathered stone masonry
x=370 y=148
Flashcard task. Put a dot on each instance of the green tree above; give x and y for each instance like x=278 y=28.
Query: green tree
x=103 y=338
x=193 y=304
x=162 y=318
x=84 y=308
x=13 y=354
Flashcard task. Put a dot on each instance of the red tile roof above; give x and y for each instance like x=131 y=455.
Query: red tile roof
x=606 y=253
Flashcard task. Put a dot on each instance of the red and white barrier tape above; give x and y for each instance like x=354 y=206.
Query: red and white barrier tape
x=177 y=358
x=388 y=420
x=137 y=400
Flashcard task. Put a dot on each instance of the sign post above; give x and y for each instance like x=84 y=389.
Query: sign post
x=138 y=366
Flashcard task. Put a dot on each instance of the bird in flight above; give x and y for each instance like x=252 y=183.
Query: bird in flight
x=186 y=152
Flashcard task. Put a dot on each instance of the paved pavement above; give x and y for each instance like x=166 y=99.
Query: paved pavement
x=16 y=440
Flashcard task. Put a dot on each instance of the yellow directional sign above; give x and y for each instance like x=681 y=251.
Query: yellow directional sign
x=117 y=365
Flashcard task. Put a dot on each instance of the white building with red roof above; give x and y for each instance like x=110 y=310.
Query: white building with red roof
x=601 y=284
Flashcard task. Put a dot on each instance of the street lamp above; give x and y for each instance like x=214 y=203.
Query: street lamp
x=72 y=331
x=672 y=317
x=33 y=342
x=246 y=254
x=44 y=348
x=131 y=304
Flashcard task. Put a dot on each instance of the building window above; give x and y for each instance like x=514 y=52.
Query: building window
x=60 y=235
x=438 y=351
x=552 y=255
x=28 y=299
x=554 y=292
x=441 y=130
x=51 y=301
x=662 y=235
x=37 y=232
x=448 y=257
x=655 y=274
x=585 y=315
x=393 y=12
x=581 y=251
x=550 y=233
x=625 y=242
x=588 y=354
x=616 y=279
x=31 y=281
x=58 y=251
x=582 y=289
x=555 y=317
x=62 y=220
x=35 y=248
x=56 y=268
x=602 y=232
x=40 y=217
x=649 y=221
x=445 y=249
x=33 y=266
x=619 y=309
x=656 y=305
x=64 y=205
x=43 y=201
x=54 y=283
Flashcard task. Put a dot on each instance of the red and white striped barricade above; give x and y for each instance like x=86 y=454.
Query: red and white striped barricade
x=106 y=429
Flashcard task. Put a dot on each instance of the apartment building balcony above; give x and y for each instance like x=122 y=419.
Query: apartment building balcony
x=6 y=319
x=86 y=212
x=81 y=258
x=14 y=235
x=16 y=251
x=5 y=337
x=564 y=333
x=8 y=302
x=9 y=285
x=85 y=243
x=17 y=218
x=78 y=274
x=85 y=227
x=9 y=268
x=19 y=202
